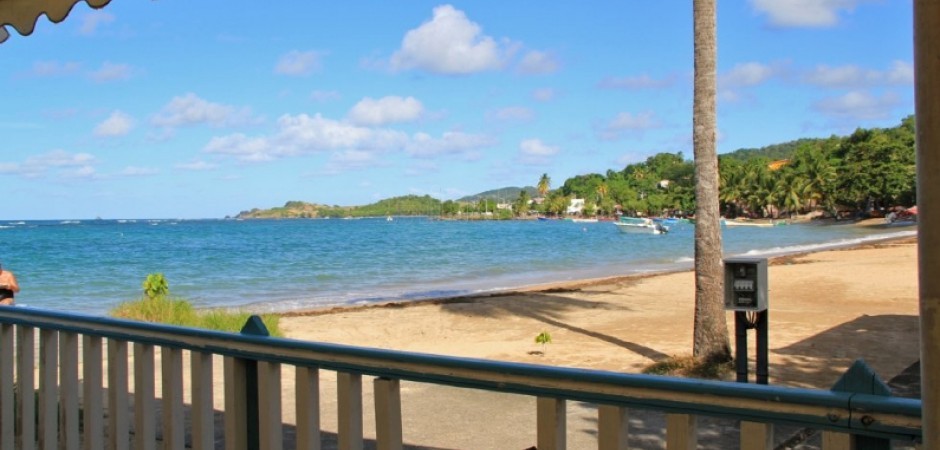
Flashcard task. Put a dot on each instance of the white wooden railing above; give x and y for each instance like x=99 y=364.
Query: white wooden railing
x=90 y=408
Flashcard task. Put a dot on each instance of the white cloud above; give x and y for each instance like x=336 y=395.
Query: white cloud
x=134 y=171
x=296 y=62
x=241 y=147
x=804 y=13
x=535 y=152
x=746 y=75
x=512 y=114
x=117 y=124
x=324 y=96
x=111 y=72
x=538 y=63
x=196 y=166
x=852 y=76
x=350 y=160
x=544 y=94
x=189 y=109
x=54 y=68
x=857 y=105
x=91 y=21
x=59 y=162
x=386 y=110
x=449 y=44
x=637 y=82
x=626 y=123
x=452 y=143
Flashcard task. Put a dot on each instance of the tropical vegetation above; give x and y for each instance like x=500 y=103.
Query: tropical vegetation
x=839 y=175
x=156 y=305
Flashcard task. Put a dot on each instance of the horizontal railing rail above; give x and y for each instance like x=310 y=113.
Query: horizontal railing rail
x=842 y=412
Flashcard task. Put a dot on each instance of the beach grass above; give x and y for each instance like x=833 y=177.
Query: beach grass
x=180 y=312
x=691 y=367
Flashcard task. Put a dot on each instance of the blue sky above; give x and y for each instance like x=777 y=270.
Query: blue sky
x=171 y=109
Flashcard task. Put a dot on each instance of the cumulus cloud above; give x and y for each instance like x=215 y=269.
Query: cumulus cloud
x=857 y=105
x=297 y=63
x=852 y=76
x=449 y=44
x=803 y=13
x=90 y=22
x=535 y=152
x=538 y=63
x=189 y=110
x=452 y=143
x=627 y=123
x=117 y=124
x=638 y=82
x=386 y=110
x=111 y=72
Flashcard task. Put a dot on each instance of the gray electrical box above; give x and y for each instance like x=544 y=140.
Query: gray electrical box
x=746 y=284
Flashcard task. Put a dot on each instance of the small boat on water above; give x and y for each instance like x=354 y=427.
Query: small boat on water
x=640 y=225
x=751 y=223
x=576 y=220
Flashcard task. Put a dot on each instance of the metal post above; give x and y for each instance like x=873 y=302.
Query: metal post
x=253 y=327
x=740 y=346
x=927 y=108
x=762 y=346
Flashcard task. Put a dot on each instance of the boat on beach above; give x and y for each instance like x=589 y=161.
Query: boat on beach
x=640 y=225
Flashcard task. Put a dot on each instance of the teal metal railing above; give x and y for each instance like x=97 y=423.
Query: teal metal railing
x=252 y=371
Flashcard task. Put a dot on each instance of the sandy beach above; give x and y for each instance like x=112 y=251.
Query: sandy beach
x=827 y=309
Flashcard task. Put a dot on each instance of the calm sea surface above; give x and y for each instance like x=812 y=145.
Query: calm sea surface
x=90 y=266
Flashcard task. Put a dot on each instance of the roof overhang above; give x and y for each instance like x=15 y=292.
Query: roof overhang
x=22 y=15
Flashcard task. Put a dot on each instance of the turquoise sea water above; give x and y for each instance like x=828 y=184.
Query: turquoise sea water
x=279 y=265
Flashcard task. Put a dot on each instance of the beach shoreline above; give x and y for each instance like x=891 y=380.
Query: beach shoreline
x=826 y=309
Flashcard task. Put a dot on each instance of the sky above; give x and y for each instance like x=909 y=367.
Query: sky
x=179 y=109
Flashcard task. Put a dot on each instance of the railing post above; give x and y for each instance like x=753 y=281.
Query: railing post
x=613 y=427
x=241 y=395
x=756 y=436
x=118 y=403
x=203 y=423
x=861 y=379
x=48 y=388
x=174 y=425
x=25 y=368
x=552 y=423
x=681 y=432
x=92 y=392
x=308 y=407
x=388 y=433
x=349 y=410
x=6 y=385
x=145 y=428
x=68 y=390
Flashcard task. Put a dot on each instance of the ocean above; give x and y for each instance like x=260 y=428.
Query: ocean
x=90 y=266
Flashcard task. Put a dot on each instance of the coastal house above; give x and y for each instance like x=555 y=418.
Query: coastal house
x=42 y=348
x=575 y=206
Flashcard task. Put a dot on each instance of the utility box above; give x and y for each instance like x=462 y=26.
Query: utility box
x=746 y=284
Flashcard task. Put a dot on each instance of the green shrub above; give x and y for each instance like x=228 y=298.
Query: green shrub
x=156 y=306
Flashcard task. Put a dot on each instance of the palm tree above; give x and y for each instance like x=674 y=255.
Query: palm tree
x=710 y=336
x=545 y=184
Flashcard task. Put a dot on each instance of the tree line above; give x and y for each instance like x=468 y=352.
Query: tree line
x=863 y=172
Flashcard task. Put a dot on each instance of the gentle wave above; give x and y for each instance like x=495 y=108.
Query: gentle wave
x=841 y=243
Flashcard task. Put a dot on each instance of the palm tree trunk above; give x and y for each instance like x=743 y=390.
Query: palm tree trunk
x=710 y=337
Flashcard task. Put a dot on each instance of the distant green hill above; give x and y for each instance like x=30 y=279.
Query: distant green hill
x=409 y=205
x=771 y=152
x=506 y=194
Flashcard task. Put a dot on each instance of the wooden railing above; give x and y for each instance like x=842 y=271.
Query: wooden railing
x=90 y=409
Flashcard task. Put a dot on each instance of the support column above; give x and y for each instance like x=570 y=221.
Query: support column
x=927 y=109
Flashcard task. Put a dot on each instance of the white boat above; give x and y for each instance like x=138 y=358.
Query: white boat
x=640 y=225
x=747 y=223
